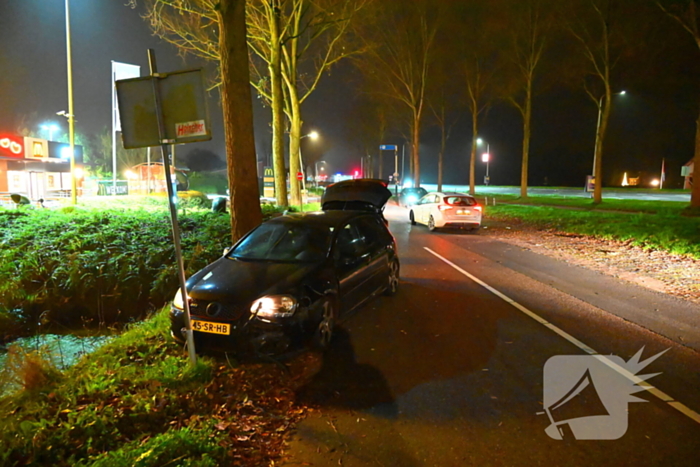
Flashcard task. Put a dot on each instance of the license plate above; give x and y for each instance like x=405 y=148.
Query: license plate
x=211 y=328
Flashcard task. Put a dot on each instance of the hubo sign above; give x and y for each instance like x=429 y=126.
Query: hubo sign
x=184 y=109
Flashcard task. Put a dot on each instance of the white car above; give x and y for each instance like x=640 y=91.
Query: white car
x=438 y=210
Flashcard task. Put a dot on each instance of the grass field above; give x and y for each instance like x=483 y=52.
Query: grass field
x=663 y=225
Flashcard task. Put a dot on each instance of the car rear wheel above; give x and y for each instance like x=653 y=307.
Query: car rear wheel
x=324 y=330
x=431 y=224
x=412 y=218
x=393 y=279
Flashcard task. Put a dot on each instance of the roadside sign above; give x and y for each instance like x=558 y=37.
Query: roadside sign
x=388 y=147
x=184 y=109
x=590 y=183
x=300 y=176
x=268 y=182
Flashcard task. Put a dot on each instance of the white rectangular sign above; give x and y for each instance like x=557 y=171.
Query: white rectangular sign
x=120 y=71
x=196 y=128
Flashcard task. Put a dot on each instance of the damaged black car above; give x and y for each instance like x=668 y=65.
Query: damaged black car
x=289 y=281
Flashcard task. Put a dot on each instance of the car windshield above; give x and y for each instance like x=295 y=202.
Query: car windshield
x=415 y=191
x=460 y=201
x=293 y=242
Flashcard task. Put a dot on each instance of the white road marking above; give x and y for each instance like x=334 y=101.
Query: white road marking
x=682 y=408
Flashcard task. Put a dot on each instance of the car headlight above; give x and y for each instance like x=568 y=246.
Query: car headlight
x=178 y=300
x=411 y=199
x=274 y=306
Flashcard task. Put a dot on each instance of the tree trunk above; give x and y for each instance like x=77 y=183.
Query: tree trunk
x=527 y=119
x=238 y=119
x=294 y=150
x=598 y=169
x=415 y=152
x=275 y=68
x=443 y=143
x=472 y=158
x=695 y=189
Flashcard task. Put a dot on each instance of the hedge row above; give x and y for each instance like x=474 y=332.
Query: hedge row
x=81 y=267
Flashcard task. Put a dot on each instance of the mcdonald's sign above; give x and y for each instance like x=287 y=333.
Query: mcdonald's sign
x=268 y=183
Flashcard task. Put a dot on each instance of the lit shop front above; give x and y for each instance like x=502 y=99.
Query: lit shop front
x=36 y=168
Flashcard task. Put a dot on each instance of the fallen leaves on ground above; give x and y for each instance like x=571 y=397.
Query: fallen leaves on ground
x=654 y=269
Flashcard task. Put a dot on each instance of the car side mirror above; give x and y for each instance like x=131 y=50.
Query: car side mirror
x=226 y=250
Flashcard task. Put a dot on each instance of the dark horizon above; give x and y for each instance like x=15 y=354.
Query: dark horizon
x=655 y=120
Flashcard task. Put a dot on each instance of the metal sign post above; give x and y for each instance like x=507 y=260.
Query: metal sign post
x=171 y=205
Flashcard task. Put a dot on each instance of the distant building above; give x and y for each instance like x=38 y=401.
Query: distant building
x=34 y=167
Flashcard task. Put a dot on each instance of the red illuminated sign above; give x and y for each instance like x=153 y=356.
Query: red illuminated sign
x=11 y=146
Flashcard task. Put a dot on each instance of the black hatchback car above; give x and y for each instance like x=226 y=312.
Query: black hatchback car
x=288 y=281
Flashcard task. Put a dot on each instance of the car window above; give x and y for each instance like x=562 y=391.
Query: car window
x=460 y=200
x=373 y=231
x=427 y=199
x=285 y=242
x=351 y=241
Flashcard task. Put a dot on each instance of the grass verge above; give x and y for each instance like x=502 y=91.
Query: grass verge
x=659 y=225
x=138 y=401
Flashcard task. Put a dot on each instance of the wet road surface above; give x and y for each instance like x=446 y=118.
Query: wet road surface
x=450 y=371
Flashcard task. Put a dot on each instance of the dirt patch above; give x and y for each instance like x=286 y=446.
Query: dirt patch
x=657 y=270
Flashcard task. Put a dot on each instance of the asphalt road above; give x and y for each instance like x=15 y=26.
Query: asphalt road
x=451 y=371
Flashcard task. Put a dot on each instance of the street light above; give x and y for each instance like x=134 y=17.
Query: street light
x=314 y=136
x=316 y=170
x=597 y=129
x=485 y=157
x=51 y=127
x=70 y=115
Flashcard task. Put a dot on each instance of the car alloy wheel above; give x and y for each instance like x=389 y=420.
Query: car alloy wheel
x=393 y=279
x=412 y=219
x=431 y=224
x=324 y=331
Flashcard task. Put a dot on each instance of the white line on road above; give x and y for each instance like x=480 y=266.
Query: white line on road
x=682 y=408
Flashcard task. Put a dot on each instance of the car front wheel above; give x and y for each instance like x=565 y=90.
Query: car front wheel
x=412 y=218
x=324 y=330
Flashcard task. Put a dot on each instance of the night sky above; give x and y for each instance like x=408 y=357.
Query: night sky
x=654 y=120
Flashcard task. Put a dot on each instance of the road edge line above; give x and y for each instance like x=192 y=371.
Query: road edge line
x=662 y=396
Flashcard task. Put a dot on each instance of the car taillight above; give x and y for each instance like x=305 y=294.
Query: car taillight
x=442 y=207
x=478 y=208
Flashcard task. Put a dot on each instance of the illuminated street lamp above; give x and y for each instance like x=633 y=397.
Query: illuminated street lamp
x=597 y=129
x=51 y=127
x=316 y=169
x=314 y=136
x=485 y=158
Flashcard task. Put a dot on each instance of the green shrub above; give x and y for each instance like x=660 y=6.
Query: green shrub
x=90 y=266
x=208 y=182
x=183 y=447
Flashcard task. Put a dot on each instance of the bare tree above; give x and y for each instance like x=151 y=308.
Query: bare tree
x=317 y=30
x=398 y=62
x=475 y=27
x=439 y=105
x=596 y=26
x=686 y=13
x=530 y=26
x=265 y=36
x=216 y=29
